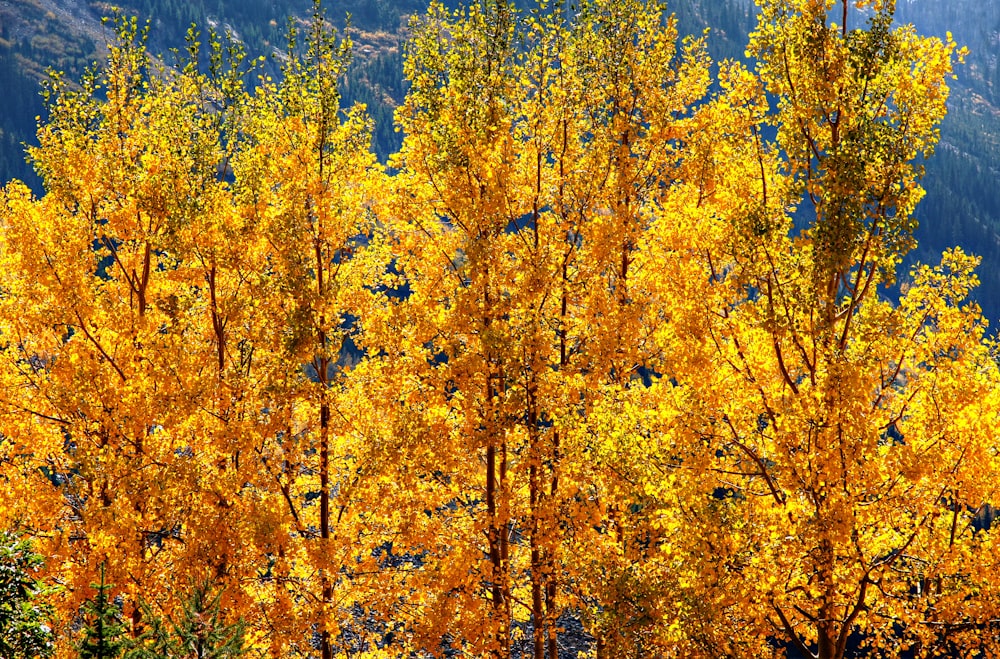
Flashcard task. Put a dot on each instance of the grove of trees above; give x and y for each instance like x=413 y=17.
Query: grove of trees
x=570 y=357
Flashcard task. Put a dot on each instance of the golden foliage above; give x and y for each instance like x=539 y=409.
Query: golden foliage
x=573 y=358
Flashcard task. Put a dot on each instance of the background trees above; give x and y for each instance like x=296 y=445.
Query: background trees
x=572 y=360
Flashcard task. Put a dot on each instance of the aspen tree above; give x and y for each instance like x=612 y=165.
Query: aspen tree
x=849 y=436
x=304 y=181
x=157 y=398
x=531 y=168
x=109 y=378
x=600 y=348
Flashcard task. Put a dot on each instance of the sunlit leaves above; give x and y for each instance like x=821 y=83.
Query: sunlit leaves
x=612 y=342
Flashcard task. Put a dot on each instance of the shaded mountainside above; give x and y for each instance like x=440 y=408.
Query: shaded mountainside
x=35 y=35
x=68 y=35
x=962 y=206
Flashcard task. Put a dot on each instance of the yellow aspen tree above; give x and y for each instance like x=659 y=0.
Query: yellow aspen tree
x=113 y=381
x=305 y=177
x=599 y=372
x=640 y=461
x=846 y=438
x=530 y=170
x=632 y=123
x=161 y=417
x=458 y=160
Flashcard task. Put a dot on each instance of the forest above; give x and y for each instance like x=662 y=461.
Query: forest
x=615 y=355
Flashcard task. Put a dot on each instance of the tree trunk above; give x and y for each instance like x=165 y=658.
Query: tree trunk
x=324 y=506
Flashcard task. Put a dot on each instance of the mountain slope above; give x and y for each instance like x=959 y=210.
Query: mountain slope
x=962 y=206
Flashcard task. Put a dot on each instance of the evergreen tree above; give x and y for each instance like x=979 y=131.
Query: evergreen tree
x=202 y=633
x=199 y=632
x=104 y=631
x=154 y=642
x=23 y=628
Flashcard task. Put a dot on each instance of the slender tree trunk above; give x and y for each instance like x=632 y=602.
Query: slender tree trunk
x=496 y=476
x=552 y=583
x=324 y=505
x=218 y=325
x=142 y=281
x=826 y=636
x=136 y=621
x=322 y=368
x=497 y=532
x=552 y=616
x=538 y=617
x=504 y=526
x=493 y=534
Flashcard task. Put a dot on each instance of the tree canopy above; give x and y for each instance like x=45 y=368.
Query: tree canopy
x=609 y=342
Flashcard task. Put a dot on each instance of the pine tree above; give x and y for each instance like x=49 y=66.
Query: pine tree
x=154 y=642
x=201 y=631
x=23 y=628
x=104 y=631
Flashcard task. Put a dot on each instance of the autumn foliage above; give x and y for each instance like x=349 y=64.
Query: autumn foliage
x=611 y=341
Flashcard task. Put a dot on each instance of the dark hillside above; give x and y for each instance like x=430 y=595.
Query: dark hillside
x=962 y=206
